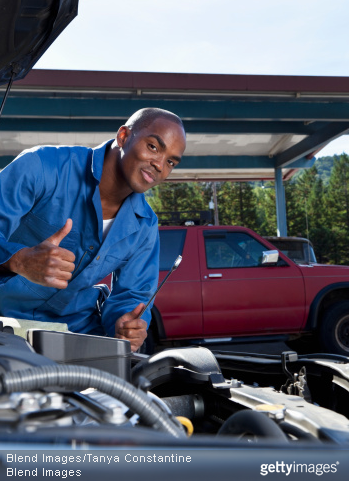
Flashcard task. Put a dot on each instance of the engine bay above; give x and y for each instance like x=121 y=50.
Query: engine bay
x=74 y=389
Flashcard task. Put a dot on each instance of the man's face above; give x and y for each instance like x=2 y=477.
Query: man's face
x=148 y=156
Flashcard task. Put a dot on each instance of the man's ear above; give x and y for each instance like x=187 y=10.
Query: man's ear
x=122 y=135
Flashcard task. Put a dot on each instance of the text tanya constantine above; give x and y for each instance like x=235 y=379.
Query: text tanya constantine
x=94 y=458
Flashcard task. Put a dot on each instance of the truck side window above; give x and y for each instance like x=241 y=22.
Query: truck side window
x=171 y=246
x=232 y=249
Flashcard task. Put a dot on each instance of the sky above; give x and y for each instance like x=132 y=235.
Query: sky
x=268 y=37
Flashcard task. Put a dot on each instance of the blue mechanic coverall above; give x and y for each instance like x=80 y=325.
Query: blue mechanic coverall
x=39 y=191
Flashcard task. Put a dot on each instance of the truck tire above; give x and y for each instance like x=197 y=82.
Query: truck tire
x=334 y=333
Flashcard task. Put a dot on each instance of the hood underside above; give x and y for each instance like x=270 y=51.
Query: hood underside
x=27 y=29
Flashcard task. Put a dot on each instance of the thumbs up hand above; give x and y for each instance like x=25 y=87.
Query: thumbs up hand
x=46 y=264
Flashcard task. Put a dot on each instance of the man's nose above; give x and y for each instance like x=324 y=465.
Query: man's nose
x=158 y=163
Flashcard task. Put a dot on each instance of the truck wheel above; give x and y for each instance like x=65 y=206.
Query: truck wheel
x=335 y=329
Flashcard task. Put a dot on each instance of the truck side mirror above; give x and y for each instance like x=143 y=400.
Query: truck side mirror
x=270 y=257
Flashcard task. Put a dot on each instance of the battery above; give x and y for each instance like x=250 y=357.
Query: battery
x=105 y=353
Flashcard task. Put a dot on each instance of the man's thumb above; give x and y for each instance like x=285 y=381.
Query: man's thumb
x=57 y=238
x=137 y=310
x=134 y=314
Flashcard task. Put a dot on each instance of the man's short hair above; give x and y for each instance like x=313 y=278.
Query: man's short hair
x=145 y=117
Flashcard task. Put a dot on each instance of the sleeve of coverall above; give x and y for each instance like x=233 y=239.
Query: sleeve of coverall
x=21 y=184
x=136 y=282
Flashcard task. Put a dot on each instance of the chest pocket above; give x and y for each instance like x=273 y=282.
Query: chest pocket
x=34 y=230
x=110 y=264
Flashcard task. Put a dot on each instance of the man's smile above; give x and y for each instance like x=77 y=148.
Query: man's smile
x=148 y=176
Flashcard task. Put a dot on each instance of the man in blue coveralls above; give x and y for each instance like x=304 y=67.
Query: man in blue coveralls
x=69 y=216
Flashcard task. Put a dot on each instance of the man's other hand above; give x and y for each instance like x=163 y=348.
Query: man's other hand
x=46 y=264
x=132 y=328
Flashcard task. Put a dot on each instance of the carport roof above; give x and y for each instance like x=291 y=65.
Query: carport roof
x=239 y=127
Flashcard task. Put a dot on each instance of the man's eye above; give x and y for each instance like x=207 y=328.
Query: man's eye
x=153 y=147
x=172 y=164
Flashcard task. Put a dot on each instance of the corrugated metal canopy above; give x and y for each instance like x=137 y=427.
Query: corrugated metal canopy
x=238 y=127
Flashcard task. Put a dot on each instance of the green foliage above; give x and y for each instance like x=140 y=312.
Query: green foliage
x=237 y=204
x=324 y=167
x=179 y=197
x=266 y=210
x=175 y=197
x=337 y=207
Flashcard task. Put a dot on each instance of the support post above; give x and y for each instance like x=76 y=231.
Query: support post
x=214 y=192
x=280 y=204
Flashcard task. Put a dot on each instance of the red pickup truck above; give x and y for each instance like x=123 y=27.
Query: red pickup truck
x=224 y=289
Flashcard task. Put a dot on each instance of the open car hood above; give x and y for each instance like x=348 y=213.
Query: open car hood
x=27 y=29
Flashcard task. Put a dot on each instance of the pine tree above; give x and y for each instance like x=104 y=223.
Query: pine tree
x=266 y=209
x=237 y=204
x=295 y=212
x=337 y=206
x=189 y=197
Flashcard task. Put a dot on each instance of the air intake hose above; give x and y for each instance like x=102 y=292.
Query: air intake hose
x=82 y=377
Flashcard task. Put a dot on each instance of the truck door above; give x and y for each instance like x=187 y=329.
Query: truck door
x=240 y=295
x=179 y=301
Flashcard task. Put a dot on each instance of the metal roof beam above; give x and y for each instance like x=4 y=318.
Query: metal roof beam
x=311 y=143
x=302 y=163
x=59 y=125
x=118 y=108
x=236 y=162
x=226 y=162
x=191 y=126
x=251 y=127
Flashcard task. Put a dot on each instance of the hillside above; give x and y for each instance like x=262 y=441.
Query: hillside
x=324 y=167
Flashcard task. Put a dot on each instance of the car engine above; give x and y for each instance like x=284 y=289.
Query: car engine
x=73 y=389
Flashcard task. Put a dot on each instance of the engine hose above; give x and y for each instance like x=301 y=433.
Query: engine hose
x=82 y=377
x=253 y=423
x=298 y=433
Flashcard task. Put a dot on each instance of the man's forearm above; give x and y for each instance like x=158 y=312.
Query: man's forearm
x=12 y=265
